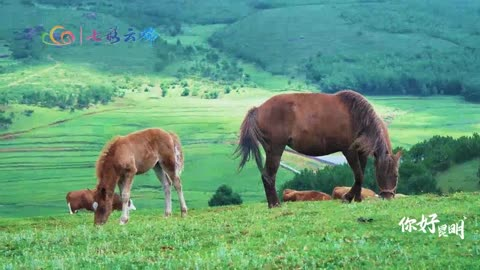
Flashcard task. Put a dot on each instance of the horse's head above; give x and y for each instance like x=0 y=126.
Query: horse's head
x=102 y=205
x=386 y=171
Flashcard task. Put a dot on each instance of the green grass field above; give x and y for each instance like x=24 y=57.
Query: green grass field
x=59 y=158
x=291 y=31
x=463 y=177
x=301 y=235
x=41 y=165
x=243 y=52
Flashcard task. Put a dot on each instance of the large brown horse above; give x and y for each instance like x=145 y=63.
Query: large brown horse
x=319 y=124
x=126 y=156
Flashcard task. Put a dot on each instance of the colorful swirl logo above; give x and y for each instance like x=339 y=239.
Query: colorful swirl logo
x=66 y=37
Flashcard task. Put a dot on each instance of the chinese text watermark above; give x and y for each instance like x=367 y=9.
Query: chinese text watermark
x=429 y=224
x=58 y=36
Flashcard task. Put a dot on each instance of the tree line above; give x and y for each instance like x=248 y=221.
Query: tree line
x=420 y=74
x=74 y=98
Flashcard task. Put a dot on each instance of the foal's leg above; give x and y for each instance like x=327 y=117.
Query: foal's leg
x=355 y=163
x=162 y=177
x=178 y=187
x=269 y=174
x=125 y=187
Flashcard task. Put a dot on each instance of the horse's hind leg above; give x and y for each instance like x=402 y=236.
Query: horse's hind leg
x=178 y=187
x=166 y=183
x=357 y=163
x=170 y=170
x=269 y=174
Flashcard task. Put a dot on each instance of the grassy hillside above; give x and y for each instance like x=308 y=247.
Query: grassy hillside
x=297 y=235
x=47 y=151
x=463 y=177
x=414 y=119
x=375 y=47
x=60 y=157
x=288 y=32
x=59 y=153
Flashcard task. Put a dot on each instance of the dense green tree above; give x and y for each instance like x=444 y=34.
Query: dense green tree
x=478 y=173
x=224 y=196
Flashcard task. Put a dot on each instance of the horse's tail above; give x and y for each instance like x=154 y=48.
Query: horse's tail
x=177 y=150
x=250 y=137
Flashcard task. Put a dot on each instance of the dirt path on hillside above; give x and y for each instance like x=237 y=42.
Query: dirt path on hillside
x=38 y=73
x=37 y=149
x=12 y=135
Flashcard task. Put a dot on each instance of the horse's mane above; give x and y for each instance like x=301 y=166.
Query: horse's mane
x=371 y=135
x=107 y=150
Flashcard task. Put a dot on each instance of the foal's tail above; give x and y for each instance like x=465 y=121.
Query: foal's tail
x=177 y=150
x=250 y=137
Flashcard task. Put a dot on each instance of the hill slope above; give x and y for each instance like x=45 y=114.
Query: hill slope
x=375 y=47
x=41 y=165
x=297 y=235
x=349 y=33
x=462 y=176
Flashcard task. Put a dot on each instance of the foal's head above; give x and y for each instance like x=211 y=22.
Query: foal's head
x=102 y=205
x=386 y=171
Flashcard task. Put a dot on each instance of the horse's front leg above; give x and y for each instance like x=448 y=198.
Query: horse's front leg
x=125 y=188
x=357 y=164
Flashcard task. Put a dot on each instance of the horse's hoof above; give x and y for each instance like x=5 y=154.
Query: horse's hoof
x=358 y=199
x=123 y=221
x=184 y=213
x=347 y=198
x=274 y=205
x=167 y=214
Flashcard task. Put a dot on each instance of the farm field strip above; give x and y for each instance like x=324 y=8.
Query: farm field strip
x=207 y=128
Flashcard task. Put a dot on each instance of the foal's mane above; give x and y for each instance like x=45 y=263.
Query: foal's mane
x=371 y=135
x=102 y=161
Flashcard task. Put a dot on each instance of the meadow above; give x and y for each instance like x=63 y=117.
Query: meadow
x=213 y=60
x=47 y=151
x=40 y=165
x=320 y=235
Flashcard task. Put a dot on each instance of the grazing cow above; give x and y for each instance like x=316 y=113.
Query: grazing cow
x=83 y=199
x=339 y=192
x=306 y=195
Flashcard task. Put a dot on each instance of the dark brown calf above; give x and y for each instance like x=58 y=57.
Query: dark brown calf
x=307 y=195
x=84 y=199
